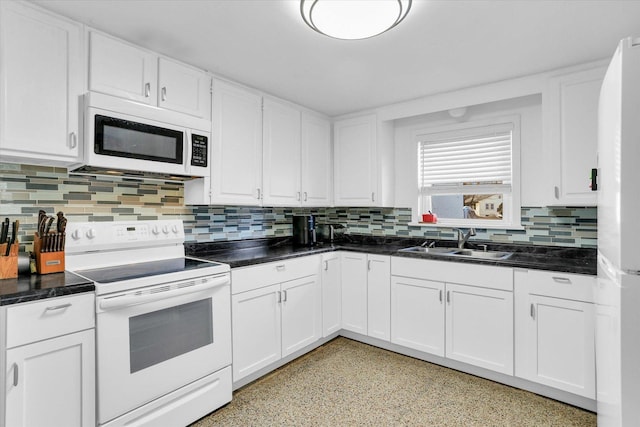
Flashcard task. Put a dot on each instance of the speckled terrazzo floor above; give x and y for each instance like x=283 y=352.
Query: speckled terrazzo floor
x=347 y=383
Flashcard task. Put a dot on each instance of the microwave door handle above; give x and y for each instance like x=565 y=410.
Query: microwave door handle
x=133 y=298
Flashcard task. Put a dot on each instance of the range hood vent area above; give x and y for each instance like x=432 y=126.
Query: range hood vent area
x=125 y=173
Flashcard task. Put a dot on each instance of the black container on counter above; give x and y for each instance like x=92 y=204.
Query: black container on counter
x=304 y=230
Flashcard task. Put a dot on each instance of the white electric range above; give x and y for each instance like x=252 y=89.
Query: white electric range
x=163 y=322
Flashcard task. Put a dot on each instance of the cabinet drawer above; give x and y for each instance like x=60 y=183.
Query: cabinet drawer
x=254 y=277
x=50 y=318
x=576 y=287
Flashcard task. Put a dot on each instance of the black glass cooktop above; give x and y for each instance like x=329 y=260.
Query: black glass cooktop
x=124 y=272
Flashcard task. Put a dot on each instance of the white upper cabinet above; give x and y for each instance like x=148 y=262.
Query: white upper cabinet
x=121 y=69
x=41 y=80
x=363 y=162
x=182 y=88
x=570 y=123
x=317 y=169
x=236 y=150
x=281 y=154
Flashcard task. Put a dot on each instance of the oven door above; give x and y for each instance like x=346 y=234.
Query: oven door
x=154 y=340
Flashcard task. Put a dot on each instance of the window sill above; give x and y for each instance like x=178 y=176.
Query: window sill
x=480 y=226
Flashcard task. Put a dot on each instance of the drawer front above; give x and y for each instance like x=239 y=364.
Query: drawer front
x=578 y=287
x=254 y=277
x=463 y=273
x=30 y=322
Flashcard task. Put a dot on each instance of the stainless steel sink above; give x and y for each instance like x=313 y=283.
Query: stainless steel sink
x=432 y=251
x=471 y=253
x=455 y=252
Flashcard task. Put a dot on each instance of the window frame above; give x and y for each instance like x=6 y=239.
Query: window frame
x=510 y=199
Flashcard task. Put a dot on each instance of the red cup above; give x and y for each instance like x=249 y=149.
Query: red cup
x=429 y=218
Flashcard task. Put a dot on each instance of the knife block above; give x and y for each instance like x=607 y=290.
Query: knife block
x=9 y=264
x=47 y=262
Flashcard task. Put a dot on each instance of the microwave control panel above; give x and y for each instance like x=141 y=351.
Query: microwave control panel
x=199 y=150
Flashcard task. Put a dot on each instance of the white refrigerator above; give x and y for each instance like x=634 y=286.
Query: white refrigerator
x=618 y=289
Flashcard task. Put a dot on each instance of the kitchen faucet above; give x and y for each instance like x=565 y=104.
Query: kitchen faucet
x=462 y=237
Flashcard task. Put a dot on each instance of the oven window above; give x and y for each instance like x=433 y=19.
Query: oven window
x=122 y=138
x=168 y=333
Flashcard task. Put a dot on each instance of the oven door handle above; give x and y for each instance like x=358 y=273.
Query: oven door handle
x=136 y=298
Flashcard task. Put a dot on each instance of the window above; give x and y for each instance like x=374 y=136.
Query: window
x=468 y=174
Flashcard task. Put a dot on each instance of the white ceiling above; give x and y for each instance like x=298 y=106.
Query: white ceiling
x=440 y=46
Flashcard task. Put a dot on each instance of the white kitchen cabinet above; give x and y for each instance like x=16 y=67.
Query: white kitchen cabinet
x=354 y=292
x=417 y=314
x=570 y=129
x=276 y=310
x=366 y=294
x=236 y=150
x=475 y=324
x=555 y=324
x=127 y=71
x=41 y=80
x=256 y=330
x=479 y=327
x=51 y=382
x=363 y=162
x=331 y=294
x=301 y=313
x=281 y=154
x=49 y=362
x=379 y=297
x=316 y=181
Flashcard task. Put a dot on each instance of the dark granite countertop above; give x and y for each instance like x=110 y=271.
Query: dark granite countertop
x=35 y=287
x=256 y=251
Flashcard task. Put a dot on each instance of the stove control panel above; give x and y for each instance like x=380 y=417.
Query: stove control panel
x=93 y=236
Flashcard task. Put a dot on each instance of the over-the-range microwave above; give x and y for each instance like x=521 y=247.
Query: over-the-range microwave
x=126 y=138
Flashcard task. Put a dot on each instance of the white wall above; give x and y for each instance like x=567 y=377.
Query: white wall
x=534 y=178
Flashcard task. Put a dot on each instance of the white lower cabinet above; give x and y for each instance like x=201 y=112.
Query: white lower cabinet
x=555 y=323
x=417 y=314
x=479 y=327
x=51 y=382
x=470 y=321
x=49 y=363
x=276 y=310
x=331 y=294
x=366 y=294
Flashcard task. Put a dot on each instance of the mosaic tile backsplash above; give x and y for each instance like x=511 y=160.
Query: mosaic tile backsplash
x=24 y=189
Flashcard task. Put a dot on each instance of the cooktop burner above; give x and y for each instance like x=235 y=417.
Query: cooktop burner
x=124 y=272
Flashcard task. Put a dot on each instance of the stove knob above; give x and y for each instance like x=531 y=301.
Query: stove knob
x=76 y=235
x=165 y=229
x=91 y=233
x=175 y=229
x=155 y=230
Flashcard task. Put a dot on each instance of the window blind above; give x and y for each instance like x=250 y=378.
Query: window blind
x=480 y=157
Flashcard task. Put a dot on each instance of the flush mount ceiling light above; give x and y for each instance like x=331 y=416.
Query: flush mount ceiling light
x=353 y=19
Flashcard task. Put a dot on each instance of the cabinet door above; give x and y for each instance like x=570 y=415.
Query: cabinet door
x=354 y=292
x=41 y=75
x=317 y=170
x=183 y=88
x=355 y=161
x=379 y=297
x=559 y=337
x=256 y=330
x=301 y=313
x=281 y=154
x=120 y=69
x=236 y=171
x=331 y=294
x=51 y=382
x=417 y=314
x=571 y=126
x=479 y=327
